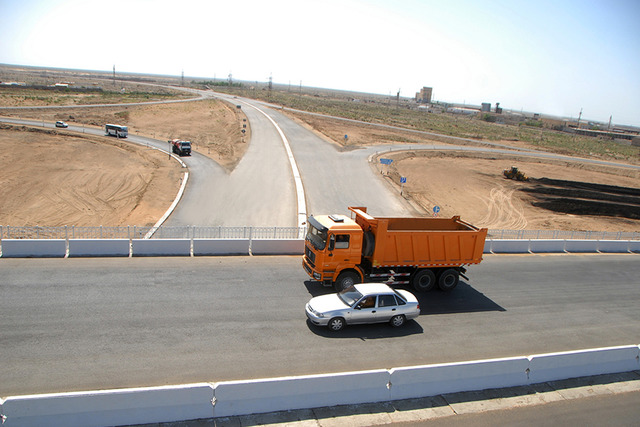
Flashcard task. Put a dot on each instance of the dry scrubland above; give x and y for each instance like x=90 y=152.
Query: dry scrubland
x=69 y=179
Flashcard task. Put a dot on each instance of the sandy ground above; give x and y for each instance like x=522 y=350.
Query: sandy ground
x=55 y=178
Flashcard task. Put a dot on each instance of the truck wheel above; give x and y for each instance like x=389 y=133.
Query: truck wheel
x=336 y=324
x=448 y=279
x=345 y=280
x=424 y=280
x=397 y=321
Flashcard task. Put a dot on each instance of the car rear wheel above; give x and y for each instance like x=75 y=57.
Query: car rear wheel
x=336 y=324
x=397 y=320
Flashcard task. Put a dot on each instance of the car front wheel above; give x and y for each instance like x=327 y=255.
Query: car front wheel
x=397 y=321
x=336 y=324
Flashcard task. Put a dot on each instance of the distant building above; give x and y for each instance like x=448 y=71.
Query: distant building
x=486 y=107
x=424 y=96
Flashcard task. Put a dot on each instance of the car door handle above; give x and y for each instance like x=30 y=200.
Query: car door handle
x=373 y=311
x=393 y=309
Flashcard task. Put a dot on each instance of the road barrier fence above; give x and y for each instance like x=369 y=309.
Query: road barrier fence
x=179 y=403
x=247 y=232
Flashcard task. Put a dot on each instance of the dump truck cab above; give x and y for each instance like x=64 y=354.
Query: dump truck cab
x=333 y=246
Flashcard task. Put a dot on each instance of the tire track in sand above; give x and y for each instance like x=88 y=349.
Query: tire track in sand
x=503 y=211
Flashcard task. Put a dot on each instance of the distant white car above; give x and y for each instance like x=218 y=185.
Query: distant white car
x=61 y=124
x=363 y=303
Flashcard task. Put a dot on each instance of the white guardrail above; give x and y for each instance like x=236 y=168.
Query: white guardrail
x=60 y=242
x=234 y=398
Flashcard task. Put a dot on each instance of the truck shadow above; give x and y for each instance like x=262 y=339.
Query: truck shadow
x=463 y=299
x=368 y=332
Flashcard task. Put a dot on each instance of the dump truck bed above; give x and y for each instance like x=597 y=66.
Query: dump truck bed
x=421 y=242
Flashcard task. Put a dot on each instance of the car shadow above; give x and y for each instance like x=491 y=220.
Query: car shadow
x=463 y=299
x=369 y=331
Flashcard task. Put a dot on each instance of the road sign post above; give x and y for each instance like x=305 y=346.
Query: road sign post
x=386 y=162
x=403 y=181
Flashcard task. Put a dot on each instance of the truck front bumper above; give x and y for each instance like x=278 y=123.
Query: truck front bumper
x=314 y=275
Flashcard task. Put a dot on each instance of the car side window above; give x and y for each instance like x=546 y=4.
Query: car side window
x=368 y=302
x=400 y=300
x=342 y=241
x=386 y=301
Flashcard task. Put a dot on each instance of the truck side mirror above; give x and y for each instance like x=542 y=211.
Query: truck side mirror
x=332 y=242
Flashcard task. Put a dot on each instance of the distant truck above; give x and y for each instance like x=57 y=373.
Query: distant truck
x=181 y=148
x=421 y=252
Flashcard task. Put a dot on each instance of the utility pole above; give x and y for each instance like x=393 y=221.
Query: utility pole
x=579 y=117
x=114 y=74
x=609 y=128
x=182 y=81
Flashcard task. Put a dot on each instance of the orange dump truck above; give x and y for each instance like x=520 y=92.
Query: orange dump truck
x=422 y=252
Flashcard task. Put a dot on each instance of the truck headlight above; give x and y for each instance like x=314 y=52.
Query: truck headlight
x=317 y=276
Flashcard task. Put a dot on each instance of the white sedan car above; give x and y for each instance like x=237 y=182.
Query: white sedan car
x=363 y=303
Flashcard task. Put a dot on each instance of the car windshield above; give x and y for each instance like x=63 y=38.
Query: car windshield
x=350 y=295
x=316 y=234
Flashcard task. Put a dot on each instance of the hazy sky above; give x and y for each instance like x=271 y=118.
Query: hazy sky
x=551 y=57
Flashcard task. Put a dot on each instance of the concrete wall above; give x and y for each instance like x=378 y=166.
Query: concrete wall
x=161 y=247
x=99 y=247
x=277 y=246
x=110 y=407
x=431 y=380
x=26 y=248
x=276 y=394
x=230 y=398
x=37 y=248
x=221 y=247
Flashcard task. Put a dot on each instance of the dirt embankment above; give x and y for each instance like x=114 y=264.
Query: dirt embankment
x=56 y=178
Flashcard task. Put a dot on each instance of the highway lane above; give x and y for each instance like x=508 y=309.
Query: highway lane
x=82 y=324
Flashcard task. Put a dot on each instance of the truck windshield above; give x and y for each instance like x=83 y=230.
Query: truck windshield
x=350 y=296
x=317 y=234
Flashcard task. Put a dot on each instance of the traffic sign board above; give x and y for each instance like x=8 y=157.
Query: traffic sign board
x=403 y=180
x=386 y=161
x=436 y=209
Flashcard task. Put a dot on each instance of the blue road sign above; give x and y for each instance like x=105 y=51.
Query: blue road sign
x=436 y=209
x=386 y=161
x=403 y=180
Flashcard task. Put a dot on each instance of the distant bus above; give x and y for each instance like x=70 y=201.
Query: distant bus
x=116 y=130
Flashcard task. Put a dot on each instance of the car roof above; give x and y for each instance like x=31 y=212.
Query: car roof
x=373 y=288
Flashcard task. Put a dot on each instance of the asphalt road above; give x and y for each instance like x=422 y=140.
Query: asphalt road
x=83 y=324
